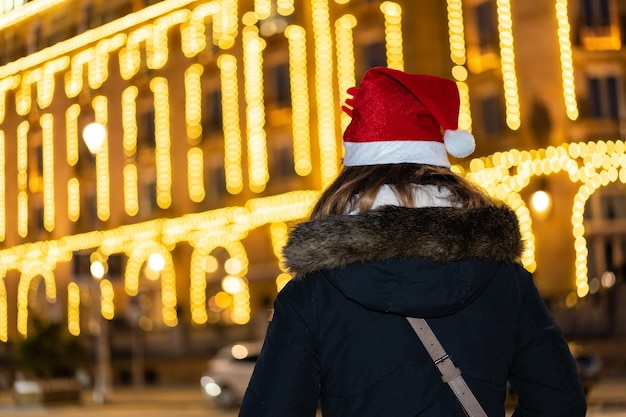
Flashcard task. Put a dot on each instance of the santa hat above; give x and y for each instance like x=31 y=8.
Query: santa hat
x=404 y=118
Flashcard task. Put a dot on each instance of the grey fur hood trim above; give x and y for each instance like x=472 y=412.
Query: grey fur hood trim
x=438 y=234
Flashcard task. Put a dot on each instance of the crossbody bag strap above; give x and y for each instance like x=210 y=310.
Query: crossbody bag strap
x=450 y=373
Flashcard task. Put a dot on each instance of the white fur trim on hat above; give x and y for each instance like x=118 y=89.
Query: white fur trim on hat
x=395 y=152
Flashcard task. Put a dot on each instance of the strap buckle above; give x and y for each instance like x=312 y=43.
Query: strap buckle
x=443 y=358
x=447 y=368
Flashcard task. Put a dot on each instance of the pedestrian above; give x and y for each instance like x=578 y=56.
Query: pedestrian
x=399 y=235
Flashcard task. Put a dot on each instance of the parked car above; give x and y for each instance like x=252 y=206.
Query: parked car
x=227 y=375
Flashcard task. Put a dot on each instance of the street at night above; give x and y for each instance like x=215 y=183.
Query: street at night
x=607 y=399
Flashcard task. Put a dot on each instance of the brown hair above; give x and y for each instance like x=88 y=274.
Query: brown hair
x=356 y=187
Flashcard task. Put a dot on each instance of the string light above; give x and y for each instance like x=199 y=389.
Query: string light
x=324 y=92
x=230 y=120
x=48 y=171
x=103 y=208
x=160 y=88
x=193 y=103
x=22 y=178
x=507 y=55
x=298 y=76
x=345 y=60
x=393 y=34
x=253 y=45
x=567 y=62
x=195 y=171
x=3 y=202
x=73 y=199
x=4 y=321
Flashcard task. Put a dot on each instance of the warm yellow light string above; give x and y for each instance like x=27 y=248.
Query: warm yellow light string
x=107 y=295
x=3 y=186
x=73 y=308
x=285 y=7
x=45 y=85
x=230 y=120
x=279 y=234
x=456 y=30
x=299 y=100
x=27 y=285
x=393 y=34
x=507 y=61
x=326 y=128
x=193 y=32
x=160 y=88
x=4 y=309
x=129 y=144
x=71 y=134
x=567 y=62
x=226 y=25
x=193 y=103
x=22 y=178
x=258 y=173
x=73 y=199
x=262 y=8
x=345 y=61
x=23 y=95
x=47 y=122
x=103 y=191
x=195 y=174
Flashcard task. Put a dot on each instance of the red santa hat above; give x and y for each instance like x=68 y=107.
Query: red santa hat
x=404 y=118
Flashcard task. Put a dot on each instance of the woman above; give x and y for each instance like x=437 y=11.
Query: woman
x=399 y=235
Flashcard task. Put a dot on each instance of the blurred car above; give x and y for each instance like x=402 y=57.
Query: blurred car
x=227 y=375
x=588 y=363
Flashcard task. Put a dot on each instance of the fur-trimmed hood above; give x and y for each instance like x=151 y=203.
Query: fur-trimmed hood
x=419 y=262
x=439 y=234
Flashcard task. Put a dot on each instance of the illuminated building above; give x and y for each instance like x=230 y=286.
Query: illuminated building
x=222 y=125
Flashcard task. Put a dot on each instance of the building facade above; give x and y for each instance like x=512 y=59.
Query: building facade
x=221 y=123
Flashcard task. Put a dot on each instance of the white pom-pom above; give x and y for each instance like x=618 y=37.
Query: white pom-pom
x=459 y=143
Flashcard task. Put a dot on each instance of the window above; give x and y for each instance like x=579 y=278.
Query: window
x=11 y=46
x=596 y=13
x=35 y=169
x=613 y=206
x=36 y=220
x=87 y=17
x=90 y=212
x=375 y=55
x=486 y=26
x=608 y=255
x=280 y=85
x=59 y=30
x=148 y=198
x=492 y=115
x=605 y=216
x=212 y=111
x=588 y=214
x=146 y=129
x=36 y=38
x=603 y=97
x=599 y=26
x=282 y=166
x=215 y=182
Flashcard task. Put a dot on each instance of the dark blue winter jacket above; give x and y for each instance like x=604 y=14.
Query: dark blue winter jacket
x=339 y=337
